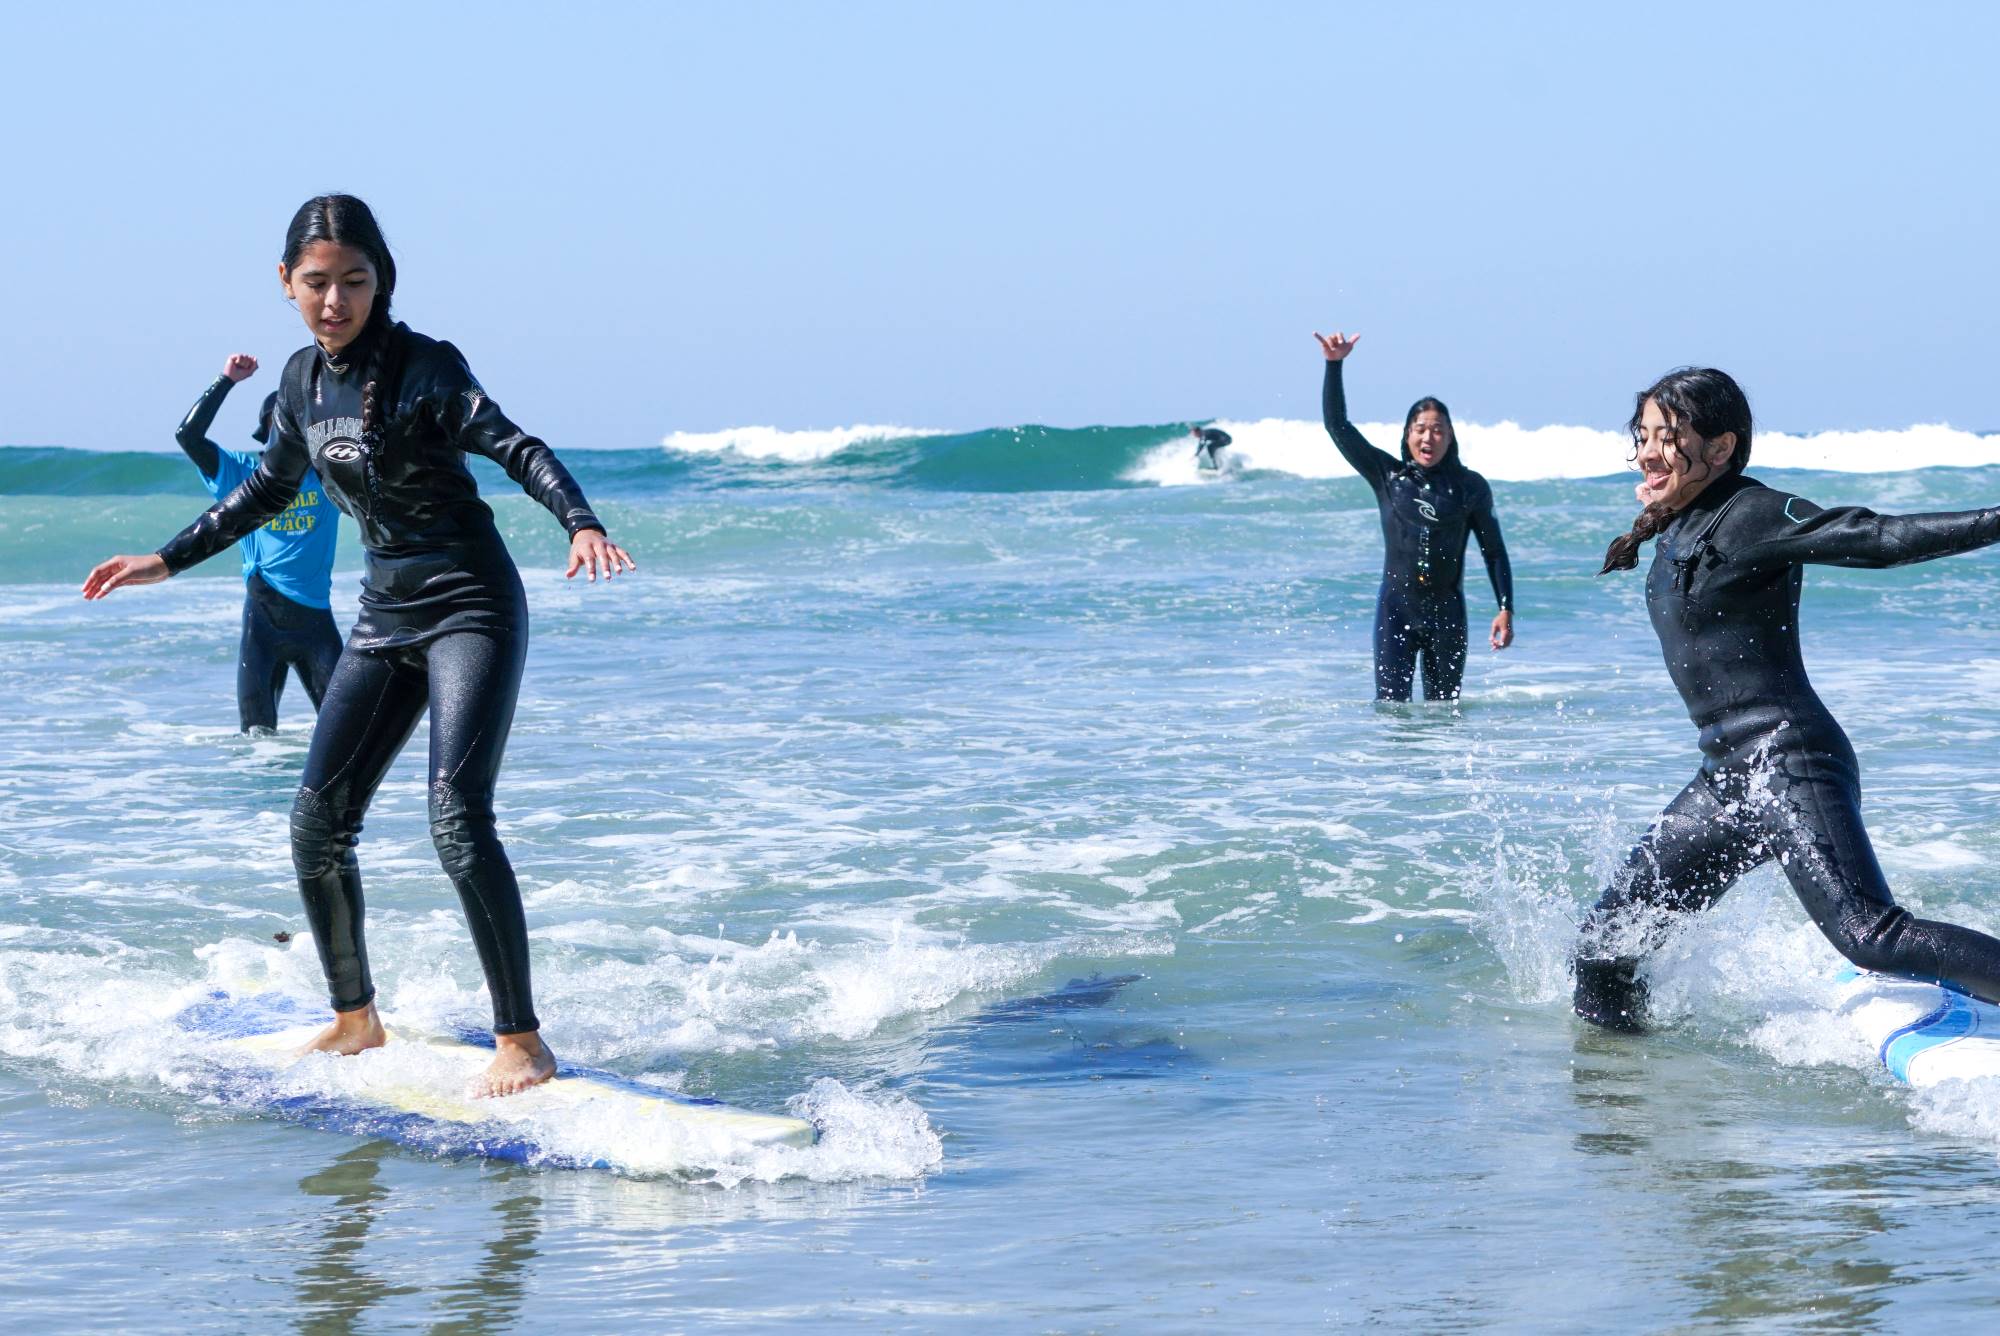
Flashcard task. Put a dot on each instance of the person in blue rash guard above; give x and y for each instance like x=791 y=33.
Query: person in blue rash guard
x=1430 y=503
x=287 y=564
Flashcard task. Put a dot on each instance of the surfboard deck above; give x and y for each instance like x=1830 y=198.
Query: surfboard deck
x=1923 y=1033
x=415 y=1090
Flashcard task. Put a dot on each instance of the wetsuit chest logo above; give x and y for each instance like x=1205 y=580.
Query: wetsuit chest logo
x=343 y=452
x=1427 y=510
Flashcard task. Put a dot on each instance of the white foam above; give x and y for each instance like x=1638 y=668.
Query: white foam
x=100 y=1017
x=794 y=447
x=1510 y=452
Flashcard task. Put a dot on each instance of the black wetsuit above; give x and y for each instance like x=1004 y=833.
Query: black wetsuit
x=277 y=632
x=1427 y=515
x=1778 y=776
x=443 y=624
x=1212 y=440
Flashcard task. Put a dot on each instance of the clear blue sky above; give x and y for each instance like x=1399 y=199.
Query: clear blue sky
x=642 y=218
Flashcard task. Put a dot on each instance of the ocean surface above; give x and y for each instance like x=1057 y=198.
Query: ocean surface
x=1012 y=804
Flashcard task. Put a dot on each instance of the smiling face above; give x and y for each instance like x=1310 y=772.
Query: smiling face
x=334 y=286
x=1676 y=463
x=1429 y=438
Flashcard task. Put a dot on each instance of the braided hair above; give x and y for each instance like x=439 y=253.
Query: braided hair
x=1701 y=400
x=347 y=221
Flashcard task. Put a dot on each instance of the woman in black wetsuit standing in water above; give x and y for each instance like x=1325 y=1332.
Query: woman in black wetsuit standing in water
x=386 y=416
x=1778 y=778
x=1430 y=503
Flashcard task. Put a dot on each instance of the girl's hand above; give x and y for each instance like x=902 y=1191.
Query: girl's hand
x=1336 y=347
x=591 y=548
x=1502 y=634
x=240 y=366
x=106 y=576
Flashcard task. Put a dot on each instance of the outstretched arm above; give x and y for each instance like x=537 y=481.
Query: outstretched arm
x=1794 y=530
x=1373 y=465
x=193 y=433
x=263 y=494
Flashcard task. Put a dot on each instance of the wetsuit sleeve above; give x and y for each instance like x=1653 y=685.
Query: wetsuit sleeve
x=1372 y=464
x=193 y=434
x=1792 y=530
x=1486 y=528
x=261 y=497
x=476 y=425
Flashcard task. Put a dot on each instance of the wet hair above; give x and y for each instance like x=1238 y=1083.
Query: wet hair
x=263 y=433
x=347 y=221
x=1425 y=405
x=1697 y=399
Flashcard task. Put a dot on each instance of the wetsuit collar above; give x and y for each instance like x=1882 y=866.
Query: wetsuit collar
x=354 y=354
x=1712 y=496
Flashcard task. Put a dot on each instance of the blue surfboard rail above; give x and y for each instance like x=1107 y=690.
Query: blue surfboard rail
x=1949 y=1020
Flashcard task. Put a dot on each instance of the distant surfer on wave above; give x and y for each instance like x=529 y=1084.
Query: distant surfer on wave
x=287 y=564
x=1778 y=777
x=1208 y=445
x=386 y=417
x=1430 y=503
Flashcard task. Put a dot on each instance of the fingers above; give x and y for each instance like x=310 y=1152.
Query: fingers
x=1336 y=345
x=104 y=577
x=592 y=553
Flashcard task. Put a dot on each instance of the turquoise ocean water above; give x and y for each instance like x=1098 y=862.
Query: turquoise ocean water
x=1012 y=805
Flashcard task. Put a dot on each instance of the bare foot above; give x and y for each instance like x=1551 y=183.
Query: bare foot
x=350 y=1033
x=519 y=1061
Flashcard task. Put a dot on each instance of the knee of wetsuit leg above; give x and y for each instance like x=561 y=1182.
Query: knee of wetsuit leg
x=1610 y=993
x=321 y=837
x=460 y=824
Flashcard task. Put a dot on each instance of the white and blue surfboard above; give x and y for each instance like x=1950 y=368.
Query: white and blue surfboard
x=415 y=1090
x=1924 y=1034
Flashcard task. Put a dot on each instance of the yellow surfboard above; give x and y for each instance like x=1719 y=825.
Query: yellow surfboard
x=417 y=1090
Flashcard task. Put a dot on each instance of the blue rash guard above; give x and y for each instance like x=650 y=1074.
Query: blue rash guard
x=287 y=571
x=293 y=551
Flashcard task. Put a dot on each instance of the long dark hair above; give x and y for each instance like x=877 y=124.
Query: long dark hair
x=347 y=221
x=1698 y=399
x=1426 y=404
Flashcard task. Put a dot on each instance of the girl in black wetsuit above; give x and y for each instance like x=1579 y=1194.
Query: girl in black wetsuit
x=1430 y=503
x=386 y=416
x=1778 y=777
